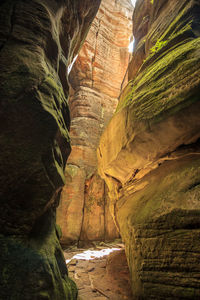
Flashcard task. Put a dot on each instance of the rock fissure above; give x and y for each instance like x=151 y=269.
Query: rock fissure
x=95 y=48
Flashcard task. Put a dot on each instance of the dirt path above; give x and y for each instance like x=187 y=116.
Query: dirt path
x=100 y=275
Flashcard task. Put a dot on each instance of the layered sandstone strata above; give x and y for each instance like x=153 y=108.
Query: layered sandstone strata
x=149 y=154
x=38 y=40
x=96 y=80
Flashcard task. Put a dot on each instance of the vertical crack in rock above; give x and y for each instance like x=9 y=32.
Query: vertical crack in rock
x=95 y=48
x=83 y=211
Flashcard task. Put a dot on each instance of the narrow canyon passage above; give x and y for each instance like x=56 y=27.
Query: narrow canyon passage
x=99 y=150
x=95 y=84
x=83 y=213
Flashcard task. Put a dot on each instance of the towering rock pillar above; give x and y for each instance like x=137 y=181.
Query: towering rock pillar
x=38 y=40
x=96 y=80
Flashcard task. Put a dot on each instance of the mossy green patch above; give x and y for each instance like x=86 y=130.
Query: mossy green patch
x=71 y=171
x=160 y=227
x=161 y=86
x=159 y=44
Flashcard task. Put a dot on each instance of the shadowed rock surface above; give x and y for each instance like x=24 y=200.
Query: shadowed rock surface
x=96 y=79
x=149 y=154
x=38 y=40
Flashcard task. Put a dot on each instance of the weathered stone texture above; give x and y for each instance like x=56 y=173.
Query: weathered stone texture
x=95 y=86
x=38 y=39
x=149 y=152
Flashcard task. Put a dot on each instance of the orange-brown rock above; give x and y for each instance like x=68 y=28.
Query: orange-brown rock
x=95 y=86
x=149 y=153
x=97 y=220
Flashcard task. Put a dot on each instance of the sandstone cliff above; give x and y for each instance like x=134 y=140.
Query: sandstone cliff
x=149 y=152
x=95 y=80
x=38 y=40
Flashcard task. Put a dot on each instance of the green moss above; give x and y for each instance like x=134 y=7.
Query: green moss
x=169 y=188
x=58 y=231
x=158 y=46
x=131 y=87
x=160 y=227
x=53 y=100
x=34 y=266
x=71 y=171
x=151 y=92
x=177 y=27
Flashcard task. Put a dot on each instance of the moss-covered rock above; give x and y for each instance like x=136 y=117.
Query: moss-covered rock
x=162 y=230
x=34 y=267
x=148 y=154
x=38 y=40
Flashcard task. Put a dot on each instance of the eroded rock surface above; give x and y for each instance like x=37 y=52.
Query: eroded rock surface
x=38 y=40
x=149 y=153
x=96 y=80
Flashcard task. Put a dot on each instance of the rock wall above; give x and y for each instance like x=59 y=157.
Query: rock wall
x=38 y=40
x=96 y=80
x=149 y=153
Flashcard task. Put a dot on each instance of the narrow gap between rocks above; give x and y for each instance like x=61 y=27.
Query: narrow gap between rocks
x=85 y=214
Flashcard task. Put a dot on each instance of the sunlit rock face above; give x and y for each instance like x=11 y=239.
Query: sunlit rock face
x=96 y=80
x=149 y=152
x=38 y=39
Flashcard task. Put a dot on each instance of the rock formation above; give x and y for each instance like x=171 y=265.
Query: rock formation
x=149 y=153
x=96 y=80
x=38 y=40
